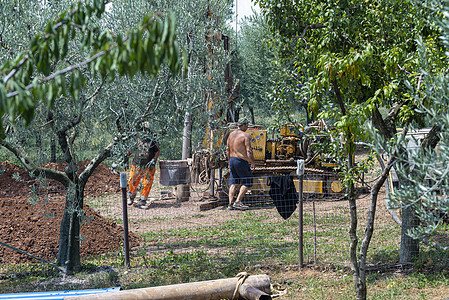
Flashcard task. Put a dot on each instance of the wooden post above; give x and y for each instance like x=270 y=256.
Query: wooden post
x=182 y=193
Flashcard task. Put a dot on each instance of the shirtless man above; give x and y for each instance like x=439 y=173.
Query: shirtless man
x=240 y=156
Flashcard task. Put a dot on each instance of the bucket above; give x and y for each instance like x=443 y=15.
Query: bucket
x=174 y=172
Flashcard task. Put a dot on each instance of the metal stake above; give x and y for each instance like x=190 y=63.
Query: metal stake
x=123 y=184
x=212 y=182
x=300 y=173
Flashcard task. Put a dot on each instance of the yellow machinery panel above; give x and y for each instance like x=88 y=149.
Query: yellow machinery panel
x=258 y=143
x=310 y=186
x=336 y=186
x=289 y=130
x=260 y=184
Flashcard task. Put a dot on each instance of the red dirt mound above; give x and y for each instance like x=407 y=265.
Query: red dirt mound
x=16 y=181
x=32 y=223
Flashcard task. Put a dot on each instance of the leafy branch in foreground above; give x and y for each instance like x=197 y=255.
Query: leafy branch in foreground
x=42 y=72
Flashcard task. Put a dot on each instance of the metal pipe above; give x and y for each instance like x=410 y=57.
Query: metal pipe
x=314 y=231
x=248 y=292
x=123 y=184
x=300 y=173
x=220 y=176
x=203 y=290
x=56 y=295
x=33 y=256
x=212 y=183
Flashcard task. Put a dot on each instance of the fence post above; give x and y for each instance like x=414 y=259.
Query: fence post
x=300 y=173
x=212 y=182
x=123 y=184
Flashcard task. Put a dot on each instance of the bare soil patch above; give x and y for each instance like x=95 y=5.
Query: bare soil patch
x=30 y=220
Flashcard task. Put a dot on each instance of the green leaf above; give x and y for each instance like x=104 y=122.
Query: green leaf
x=3 y=100
x=50 y=93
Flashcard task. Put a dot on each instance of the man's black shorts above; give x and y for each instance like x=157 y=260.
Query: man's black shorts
x=240 y=172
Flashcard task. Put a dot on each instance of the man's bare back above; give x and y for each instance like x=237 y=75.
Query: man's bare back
x=239 y=145
x=239 y=148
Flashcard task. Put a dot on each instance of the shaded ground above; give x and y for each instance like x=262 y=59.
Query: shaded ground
x=31 y=222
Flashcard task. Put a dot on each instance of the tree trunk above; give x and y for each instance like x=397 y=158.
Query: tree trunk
x=305 y=105
x=251 y=110
x=187 y=132
x=409 y=246
x=358 y=271
x=187 y=136
x=52 y=150
x=237 y=114
x=358 y=268
x=69 y=234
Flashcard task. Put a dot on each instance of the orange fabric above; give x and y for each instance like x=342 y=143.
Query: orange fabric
x=146 y=175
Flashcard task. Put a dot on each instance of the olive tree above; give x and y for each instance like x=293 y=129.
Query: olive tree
x=175 y=100
x=354 y=62
x=53 y=84
x=254 y=65
x=424 y=165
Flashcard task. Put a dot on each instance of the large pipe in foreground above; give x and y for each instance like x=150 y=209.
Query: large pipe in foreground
x=203 y=290
x=248 y=292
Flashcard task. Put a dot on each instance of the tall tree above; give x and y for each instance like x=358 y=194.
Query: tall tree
x=254 y=66
x=424 y=165
x=184 y=95
x=57 y=78
x=358 y=59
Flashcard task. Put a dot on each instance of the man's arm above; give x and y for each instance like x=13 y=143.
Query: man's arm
x=228 y=148
x=249 y=151
x=152 y=163
x=156 y=155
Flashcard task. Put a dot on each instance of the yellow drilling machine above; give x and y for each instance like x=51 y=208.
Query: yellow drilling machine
x=275 y=156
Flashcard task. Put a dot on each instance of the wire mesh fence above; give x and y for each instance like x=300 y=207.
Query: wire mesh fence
x=194 y=225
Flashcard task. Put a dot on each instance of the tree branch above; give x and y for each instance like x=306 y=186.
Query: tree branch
x=432 y=138
x=105 y=153
x=339 y=97
x=95 y=93
x=15 y=70
x=26 y=58
x=32 y=168
x=62 y=72
x=313 y=26
x=404 y=70
x=66 y=146
x=386 y=126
